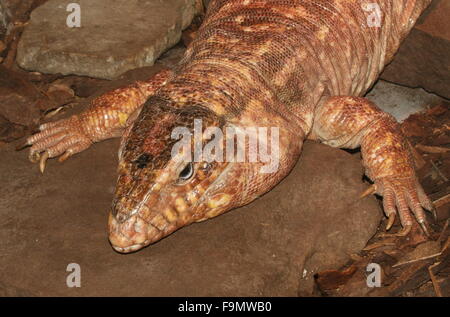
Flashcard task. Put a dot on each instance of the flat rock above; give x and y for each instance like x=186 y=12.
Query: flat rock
x=18 y=98
x=401 y=101
x=423 y=59
x=10 y=131
x=91 y=87
x=310 y=222
x=115 y=36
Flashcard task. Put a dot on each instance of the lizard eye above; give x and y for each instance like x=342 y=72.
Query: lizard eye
x=187 y=172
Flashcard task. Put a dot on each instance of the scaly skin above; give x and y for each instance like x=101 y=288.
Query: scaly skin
x=297 y=65
x=106 y=118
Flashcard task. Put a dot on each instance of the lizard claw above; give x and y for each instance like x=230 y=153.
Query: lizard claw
x=65 y=156
x=404 y=232
x=371 y=190
x=22 y=145
x=424 y=228
x=64 y=137
x=43 y=161
x=391 y=220
x=405 y=196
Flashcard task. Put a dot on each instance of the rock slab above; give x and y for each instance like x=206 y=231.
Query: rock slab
x=311 y=221
x=423 y=59
x=18 y=99
x=114 y=35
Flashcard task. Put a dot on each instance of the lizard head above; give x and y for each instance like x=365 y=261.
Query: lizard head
x=160 y=187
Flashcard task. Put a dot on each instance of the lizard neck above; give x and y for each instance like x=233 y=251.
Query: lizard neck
x=235 y=94
x=233 y=88
x=190 y=87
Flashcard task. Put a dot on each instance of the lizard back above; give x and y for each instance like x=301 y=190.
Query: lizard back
x=283 y=57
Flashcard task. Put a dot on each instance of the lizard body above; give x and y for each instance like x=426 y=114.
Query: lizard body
x=298 y=65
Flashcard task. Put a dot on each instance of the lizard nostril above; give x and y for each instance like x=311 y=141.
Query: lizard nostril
x=115 y=212
x=123 y=209
x=122 y=212
x=121 y=217
x=114 y=209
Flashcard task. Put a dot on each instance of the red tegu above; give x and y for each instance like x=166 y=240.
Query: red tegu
x=301 y=66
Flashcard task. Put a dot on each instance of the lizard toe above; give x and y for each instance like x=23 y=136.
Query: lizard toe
x=55 y=139
x=405 y=197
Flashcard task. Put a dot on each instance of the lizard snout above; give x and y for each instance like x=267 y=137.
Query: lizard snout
x=132 y=234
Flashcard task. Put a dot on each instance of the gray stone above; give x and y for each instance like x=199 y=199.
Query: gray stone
x=115 y=36
x=401 y=101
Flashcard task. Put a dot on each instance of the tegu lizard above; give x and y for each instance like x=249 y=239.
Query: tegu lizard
x=301 y=66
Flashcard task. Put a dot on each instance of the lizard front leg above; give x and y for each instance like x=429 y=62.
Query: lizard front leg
x=106 y=118
x=349 y=122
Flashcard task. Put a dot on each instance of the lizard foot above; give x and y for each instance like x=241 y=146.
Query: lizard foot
x=402 y=195
x=62 y=138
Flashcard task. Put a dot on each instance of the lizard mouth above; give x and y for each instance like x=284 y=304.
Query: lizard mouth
x=129 y=249
x=133 y=234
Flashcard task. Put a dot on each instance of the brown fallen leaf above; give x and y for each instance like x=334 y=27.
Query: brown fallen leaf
x=332 y=279
x=10 y=131
x=436 y=286
x=418 y=159
x=442 y=201
x=432 y=149
x=437 y=110
x=380 y=244
x=56 y=86
x=423 y=251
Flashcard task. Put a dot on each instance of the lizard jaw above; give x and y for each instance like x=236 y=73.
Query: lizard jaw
x=132 y=235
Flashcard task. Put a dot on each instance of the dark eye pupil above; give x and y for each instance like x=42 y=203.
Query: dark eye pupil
x=187 y=172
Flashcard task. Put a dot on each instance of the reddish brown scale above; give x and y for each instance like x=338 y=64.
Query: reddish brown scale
x=154 y=144
x=349 y=122
x=106 y=117
x=291 y=64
